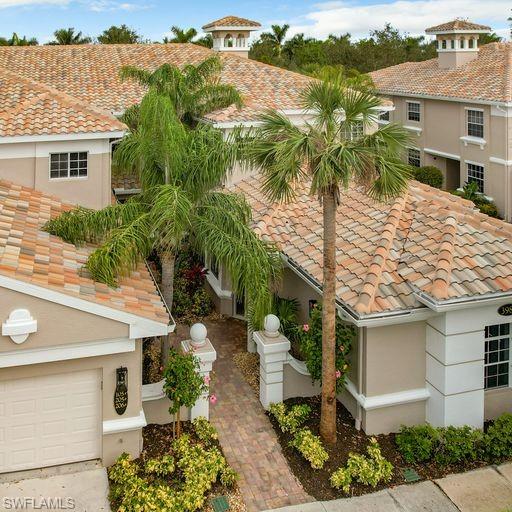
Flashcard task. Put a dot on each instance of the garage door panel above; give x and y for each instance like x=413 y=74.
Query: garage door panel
x=60 y=423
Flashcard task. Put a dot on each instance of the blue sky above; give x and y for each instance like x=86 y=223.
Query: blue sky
x=153 y=18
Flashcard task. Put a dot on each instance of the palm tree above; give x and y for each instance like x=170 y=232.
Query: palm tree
x=195 y=90
x=16 y=40
x=276 y=37
x=330 y=152
x=67 y=36
x=181 y=170
x=181 y=36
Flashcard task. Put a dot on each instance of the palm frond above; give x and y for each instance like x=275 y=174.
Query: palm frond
x=141 y=76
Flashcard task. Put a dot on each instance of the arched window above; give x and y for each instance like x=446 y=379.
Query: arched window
x=443 y=44
x=240 y=41
x=228 y=41
x=452 y=44
x=471 y=43
x=462 y=42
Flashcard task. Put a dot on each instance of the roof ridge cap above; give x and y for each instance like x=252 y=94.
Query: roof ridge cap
x=372 y=277
x=439 y=288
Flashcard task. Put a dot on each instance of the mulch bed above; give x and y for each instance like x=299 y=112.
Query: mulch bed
x=157 y=442
x=316 y=481
x=249 y=365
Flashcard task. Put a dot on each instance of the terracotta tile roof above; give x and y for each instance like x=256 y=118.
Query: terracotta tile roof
x=488 y=77
x=91 y=74
x=30 y=108
x=31 y=255
x=427 y=240
x=457 y=25
x=232 y=21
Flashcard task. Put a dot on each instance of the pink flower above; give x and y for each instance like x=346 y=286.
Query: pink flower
x=207 y=379
x=305 y=327
x=213 y=399
x=161 y=368
x=338 y=374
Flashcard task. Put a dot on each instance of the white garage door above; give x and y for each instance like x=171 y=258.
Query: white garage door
x=49 y=420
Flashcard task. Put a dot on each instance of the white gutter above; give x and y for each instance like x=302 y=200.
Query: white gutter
x=408 y=94
x=63 y=137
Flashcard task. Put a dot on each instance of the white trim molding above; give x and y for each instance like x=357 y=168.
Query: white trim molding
x=441 y=153
x=477 y=141
x=500 y=161
x=389 y=399
x=153 y=391
x=415 y=129
x=125 y=424
x=140 y=327
x=66 y=352
x=62 y=137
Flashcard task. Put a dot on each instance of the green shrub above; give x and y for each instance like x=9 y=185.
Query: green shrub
x=204 y=430
x=228 y=477
x=418 y=443
x=429 y=175
x=161 y=467
x=310 y=447
x=459 y=444
x=489 y=209
x=498 y=439
x=368 y=469
x=290 y=421
x=202 y=303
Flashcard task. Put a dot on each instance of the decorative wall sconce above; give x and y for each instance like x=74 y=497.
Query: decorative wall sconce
x=19 y=325
x=121 y=393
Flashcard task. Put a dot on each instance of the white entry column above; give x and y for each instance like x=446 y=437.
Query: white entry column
x=455 y=368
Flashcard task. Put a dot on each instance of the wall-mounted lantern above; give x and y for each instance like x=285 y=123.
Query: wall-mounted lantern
x=121 y=393
x=19 y=325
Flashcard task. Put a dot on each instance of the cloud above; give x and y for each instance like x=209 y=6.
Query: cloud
x=407 y=15
x=110 y=5
x=24 y=3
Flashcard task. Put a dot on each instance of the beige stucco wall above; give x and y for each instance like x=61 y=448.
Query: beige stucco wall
x=443 y=123
x=394 y=358
x=28 y=164
x=61 y=325
x=389 y=419
x=294 y=287
x=496 y=402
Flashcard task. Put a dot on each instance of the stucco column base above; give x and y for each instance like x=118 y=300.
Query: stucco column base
x=206 y=355
x=273 y=355
x=251 y=344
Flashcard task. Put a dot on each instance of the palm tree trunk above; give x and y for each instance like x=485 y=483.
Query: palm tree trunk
x=167 y=262
x=328 y=411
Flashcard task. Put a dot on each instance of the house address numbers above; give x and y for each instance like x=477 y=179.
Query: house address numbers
x=505 y=310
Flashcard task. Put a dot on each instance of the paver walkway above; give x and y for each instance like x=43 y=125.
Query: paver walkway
x=246 y=435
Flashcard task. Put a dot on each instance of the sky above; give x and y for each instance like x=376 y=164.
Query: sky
x=153 y=18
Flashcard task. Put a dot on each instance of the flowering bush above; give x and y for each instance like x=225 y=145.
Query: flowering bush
x=368 y=469
x=311 y=448
x=310 y=340
x=204 y=430
x=290 y=421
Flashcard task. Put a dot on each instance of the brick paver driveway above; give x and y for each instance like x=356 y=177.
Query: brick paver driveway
x=246 y=435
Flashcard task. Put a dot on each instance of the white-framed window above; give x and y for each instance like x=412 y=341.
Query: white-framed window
x=414 y=157
x=475 y=123
x=355 y=131
x=476 y=174
x=240 y=41
x=413 y=111
x=497 y=356
x=68 y=165
x=384 y=116
x=228 y=41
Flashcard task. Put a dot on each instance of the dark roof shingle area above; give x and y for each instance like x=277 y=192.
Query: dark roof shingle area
x=427 y=241
x=486 y=78
x=457 y=25
x=91 y=74
x=232 y=21
x=29 y=254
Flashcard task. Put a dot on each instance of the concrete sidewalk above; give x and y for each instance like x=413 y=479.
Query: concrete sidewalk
x=483 y=490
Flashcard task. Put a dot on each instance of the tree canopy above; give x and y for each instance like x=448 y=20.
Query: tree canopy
x=119 y=35
x=68 y=36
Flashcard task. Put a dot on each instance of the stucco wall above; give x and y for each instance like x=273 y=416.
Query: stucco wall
x=394 y=358
x=28 y=165
x=389 y=419
x=56 y=324
x=496 y=402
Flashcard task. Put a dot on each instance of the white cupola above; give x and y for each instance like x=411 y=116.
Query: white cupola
x=457 y=42
x=231 y=34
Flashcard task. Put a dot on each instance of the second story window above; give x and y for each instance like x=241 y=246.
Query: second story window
x=475 y=123
x=414 y=157
x=476 y=174
x=413 y=111
x=68 y=165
